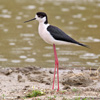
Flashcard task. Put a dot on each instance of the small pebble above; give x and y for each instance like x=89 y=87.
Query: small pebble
x=20 y=79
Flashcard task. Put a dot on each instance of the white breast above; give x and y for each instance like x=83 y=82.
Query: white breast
x=44 y=34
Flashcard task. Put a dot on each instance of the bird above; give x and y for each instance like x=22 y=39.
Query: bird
x=54 y=36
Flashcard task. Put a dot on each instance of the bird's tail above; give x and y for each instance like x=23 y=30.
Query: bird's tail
x=83 y=45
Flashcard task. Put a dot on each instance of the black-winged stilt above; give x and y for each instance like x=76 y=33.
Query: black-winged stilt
x=53 y=35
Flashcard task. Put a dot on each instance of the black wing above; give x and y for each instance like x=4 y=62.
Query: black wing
x=58 y=34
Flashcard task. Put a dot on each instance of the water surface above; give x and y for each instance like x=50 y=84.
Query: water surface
x=20 y=44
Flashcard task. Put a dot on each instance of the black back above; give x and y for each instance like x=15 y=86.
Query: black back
x=58 y=34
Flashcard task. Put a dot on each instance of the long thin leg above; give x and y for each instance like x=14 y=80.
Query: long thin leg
x=56 y=66
x=58 y=76
x=54 y=77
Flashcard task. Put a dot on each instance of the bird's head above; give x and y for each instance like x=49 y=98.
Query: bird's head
x=41 y=17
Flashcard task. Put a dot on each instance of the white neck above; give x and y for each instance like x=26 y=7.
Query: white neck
x=42 y=27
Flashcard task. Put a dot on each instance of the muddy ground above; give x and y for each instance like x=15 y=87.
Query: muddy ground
x=15 y=83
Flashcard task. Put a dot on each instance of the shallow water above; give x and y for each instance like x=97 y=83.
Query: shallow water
x=20 y=44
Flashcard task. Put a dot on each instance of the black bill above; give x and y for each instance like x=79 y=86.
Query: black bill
x=30 y=20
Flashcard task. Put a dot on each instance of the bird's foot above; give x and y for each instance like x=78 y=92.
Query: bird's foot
x=57 y=90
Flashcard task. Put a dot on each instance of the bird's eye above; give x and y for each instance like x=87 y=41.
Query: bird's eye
x=40 y=16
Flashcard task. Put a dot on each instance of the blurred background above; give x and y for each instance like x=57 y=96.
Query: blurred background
x=21 y=45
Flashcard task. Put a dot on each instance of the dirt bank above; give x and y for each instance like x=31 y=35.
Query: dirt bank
x=16 y=82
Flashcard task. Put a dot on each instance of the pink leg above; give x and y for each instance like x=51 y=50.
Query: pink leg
x=56 y=66
x=58 y=76
x=54 y=78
